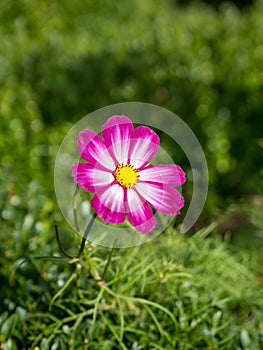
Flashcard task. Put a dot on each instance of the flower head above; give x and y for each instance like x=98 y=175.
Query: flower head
x=117 y=169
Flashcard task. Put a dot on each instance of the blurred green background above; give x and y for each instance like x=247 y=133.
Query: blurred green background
x=60 y=60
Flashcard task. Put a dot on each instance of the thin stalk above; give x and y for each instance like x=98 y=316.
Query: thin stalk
x=84 y=238
x=60 y=245
x=109 y=260
x=75 y=208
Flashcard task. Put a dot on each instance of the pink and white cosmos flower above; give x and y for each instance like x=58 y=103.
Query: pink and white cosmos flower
x=117 y=169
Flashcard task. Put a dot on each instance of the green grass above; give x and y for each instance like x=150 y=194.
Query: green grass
x=176 y=292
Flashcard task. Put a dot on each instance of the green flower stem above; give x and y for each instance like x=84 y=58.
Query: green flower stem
x=109 y=260
x=115 y=334
x=75 y=208
x=72 y=277
x=60 y=245
x=84 y=238
x=144 y=302
x=67 y=320
x=95 y=311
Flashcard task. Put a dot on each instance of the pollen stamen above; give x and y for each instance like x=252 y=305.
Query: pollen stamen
x=126 y=175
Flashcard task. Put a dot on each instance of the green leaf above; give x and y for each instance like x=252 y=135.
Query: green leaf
x=8 y=326
x=245 y=338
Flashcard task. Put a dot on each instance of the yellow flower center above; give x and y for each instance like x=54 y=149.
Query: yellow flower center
x=126 y=175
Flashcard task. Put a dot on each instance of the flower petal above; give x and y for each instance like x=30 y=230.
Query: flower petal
x=169 y=174
x=90 y=178
x=93 y=150
x=139 y=213
x=144 y=145
x=166 y=199
x=117 y=133
x=109 y=204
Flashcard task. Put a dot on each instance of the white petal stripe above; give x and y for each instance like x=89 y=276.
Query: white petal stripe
x=113 y=198
x=117 y=132
x=134 y=201
x=169 y=174
x=93 y=150
x=166 y=199
x=144 y=145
